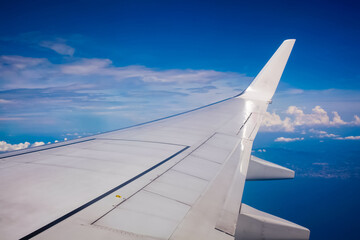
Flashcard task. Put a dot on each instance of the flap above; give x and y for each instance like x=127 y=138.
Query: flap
x=260 y=169
x=254 y=224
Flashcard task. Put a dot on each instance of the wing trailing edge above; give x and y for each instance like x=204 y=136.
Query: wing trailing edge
x=254 y=225
x=264 y=85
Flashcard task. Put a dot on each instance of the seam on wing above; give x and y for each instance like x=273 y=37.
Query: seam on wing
x=73 y=212
x=244 y=124
x=135 y=140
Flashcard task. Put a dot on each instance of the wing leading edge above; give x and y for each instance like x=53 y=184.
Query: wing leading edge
x=180 y=177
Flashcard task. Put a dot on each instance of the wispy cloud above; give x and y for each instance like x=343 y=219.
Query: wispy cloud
x=15 y=63
x=348 y=138
x=59 y=47
x=323 y=134
x=105 y=68
x=284 y=139
x=38 y=39
x=11 y=118
x=318 y=134
x=27 y=72
x=94 y=88
x=4 y=101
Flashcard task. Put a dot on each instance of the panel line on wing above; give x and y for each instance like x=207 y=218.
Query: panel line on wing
x=53 y=223
x=173 y=199
x=135 y=140
x=191 y=175
x=244 y=124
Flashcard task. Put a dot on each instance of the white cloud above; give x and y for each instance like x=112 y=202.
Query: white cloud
x=323 y=134
x=337 y=120
x=11 y=118
x=292 y=91
x=19 y=62
x=104 y=67
x=58 y=47
x=296 y=117
x=320 y=163
x=95 y=73
x=348 y=138
x=284 y=139
x=87 y=66
x=3 y=101
x=318 y=116
x=4 y=146
x=356 y=121
x=36 y=144
x=273 y=123
x=72 y=134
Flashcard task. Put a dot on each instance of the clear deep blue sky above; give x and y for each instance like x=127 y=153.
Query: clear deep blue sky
x=236 y=36
x=74 y=68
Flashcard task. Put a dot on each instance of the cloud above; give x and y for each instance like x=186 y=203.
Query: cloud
x=296 y=117
x=104 y=67
x=58 y=47
x=11 y=118
x=97 y=73
x=323 y=134
x=356 y=121
x=35 y=39
x=19 y=71
x=273 y=123
x=337 y=119
x=284 y=139
x=348 y=138
x=95 y=88
x=3 y=101
x=36 y=144
x=320 y=163
x=19 y=62
x=204 y=89
x=292 y=91
x=87 y=67
x=4 y=146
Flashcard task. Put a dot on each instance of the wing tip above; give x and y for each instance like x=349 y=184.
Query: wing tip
x=264 y=85
x=290 y=40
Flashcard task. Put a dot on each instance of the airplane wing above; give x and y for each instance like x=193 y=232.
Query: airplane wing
x=180 y=177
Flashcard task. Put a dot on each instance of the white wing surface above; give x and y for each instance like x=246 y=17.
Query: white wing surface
x=180 y=177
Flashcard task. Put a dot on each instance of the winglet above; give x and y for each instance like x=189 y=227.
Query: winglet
x=264 y=85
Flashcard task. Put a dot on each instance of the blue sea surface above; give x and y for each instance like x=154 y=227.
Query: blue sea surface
x=324 y=196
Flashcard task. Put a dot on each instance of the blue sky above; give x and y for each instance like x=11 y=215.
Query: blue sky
x=69 y=60
x=74 y=68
